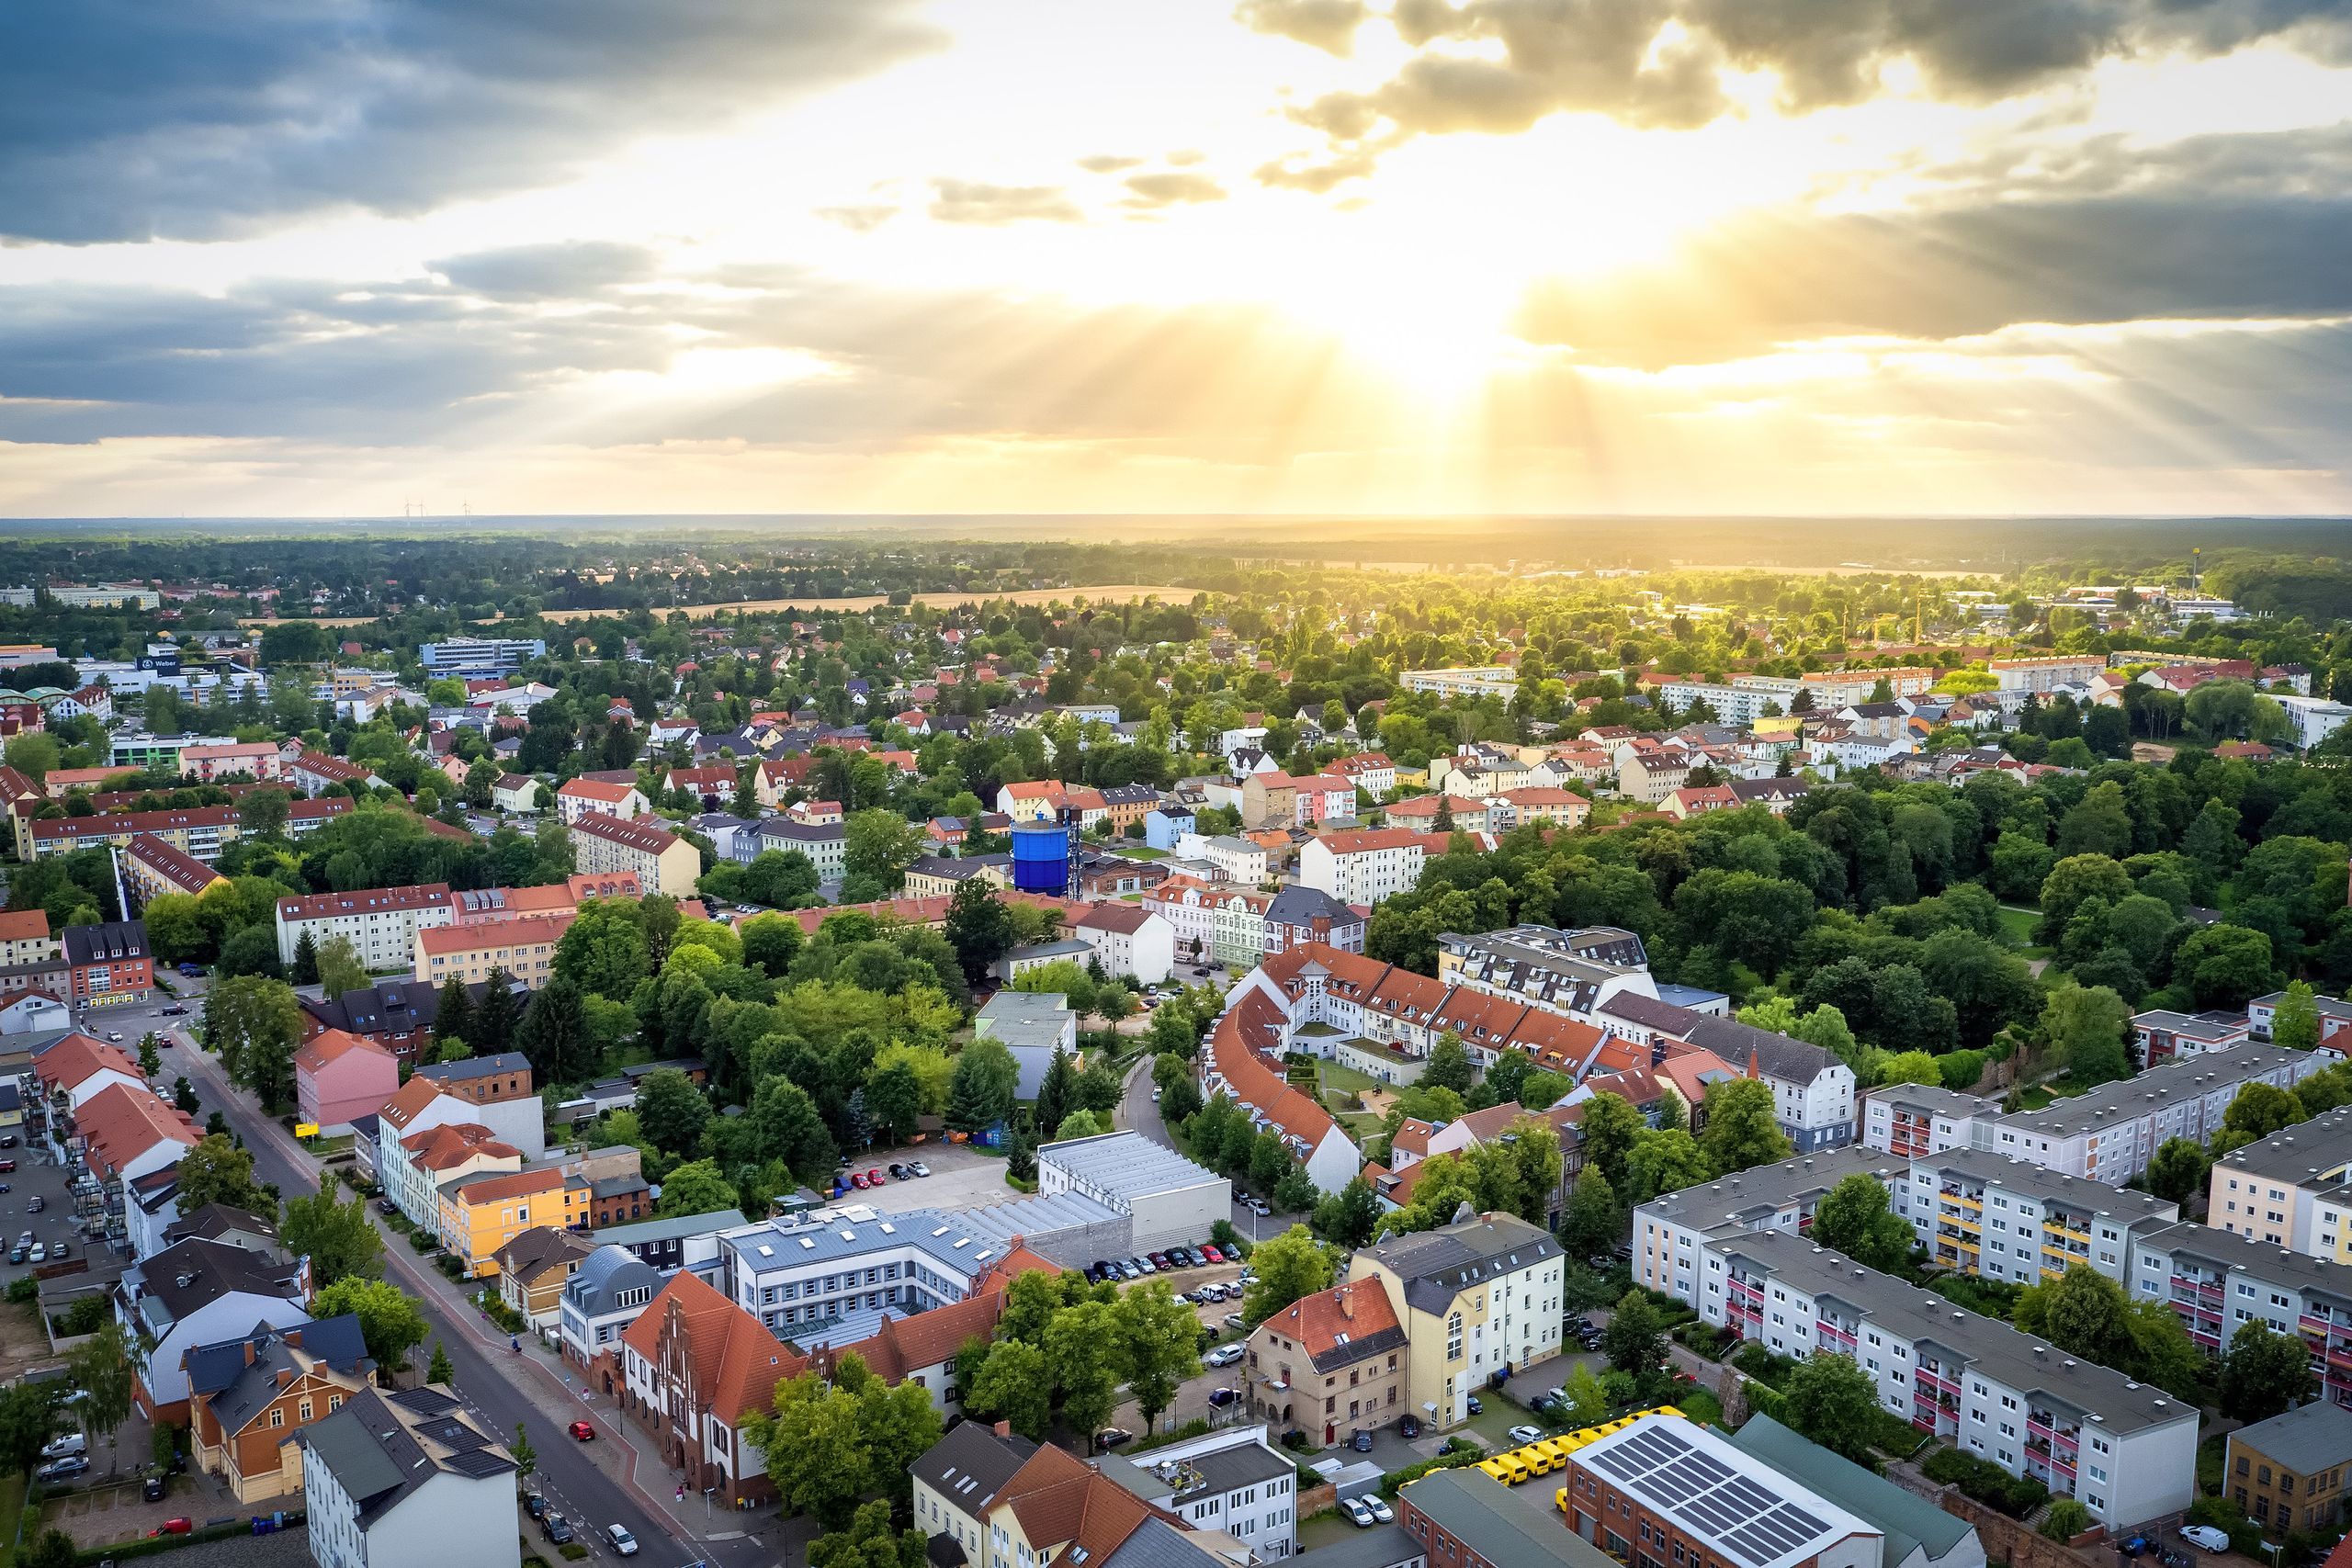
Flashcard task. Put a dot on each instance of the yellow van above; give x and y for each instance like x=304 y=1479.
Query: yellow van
x=1514 y=1470
x=1534 y=1456
x=1560 y=1499
x=1497 y=1469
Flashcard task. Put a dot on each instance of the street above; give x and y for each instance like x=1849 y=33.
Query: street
x=486 y=1369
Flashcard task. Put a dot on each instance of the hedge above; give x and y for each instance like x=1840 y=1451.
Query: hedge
x=148 y=1546
x=1395 y=1480
x=2016 y=1495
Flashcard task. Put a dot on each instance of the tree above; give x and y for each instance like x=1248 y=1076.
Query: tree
x=1742 y=1130
x=2176 y=1170
x=697 y=1188
x=101 y=1369
x=981 y=1096
x=527 y=1458
x=1056 y=1091
x=2082 y=1313
x=2224 y=965
x=1663 y=1162
x=1161 y=1339
x=439 y=1369
x=339 y=1239
x=894 y=1099
x=1013 y=1386
x=671 y=1110
x=51 y=1549
x=1075 y=1336
x=217 y=1171
x=1854 y=1218
x=2295 y=1025
x=2087 y=1026
x=879 y=846
x=184 y=1095
x=1290 y=1266
x=784 y=1124
x=253 y=1023
x=978 y=928
x=29 y=1417
x=1634 y=1341
x=868 y=1541
x=453 y=1011
x=2259 y=1110
x=150 y=1057
x=1587 y=1401
x=495 y=1016
x=389 y=1323
x=2263 y=1372
x=338 y=965
x=1830 y=1400
x=1611 y=1124
x=1589 y=1222
x=1449 y=1065
x=554 y=1034
x=1348 y=1218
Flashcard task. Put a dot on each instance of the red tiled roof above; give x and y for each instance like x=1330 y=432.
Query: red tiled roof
x=378 y=901
x=637 y=835
x=1126 y=918
x=1326 y=1320
x=592 y=789
x=737 y=1362
x=76 y=1057
x=332 y=1045
x=1359 y=839
x=23 y=925
x=120 y=1123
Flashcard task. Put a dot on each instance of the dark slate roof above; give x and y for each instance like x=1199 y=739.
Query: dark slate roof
x=375 y=1449
x=1479 y=1511
x=604 y=1274
x=1383 y=1546
x=470 y=1068
x=216 y=1220
x=1792 y=1061
x=197 y=1272
x=1438 y=1265
x=1650 y=1013
x=1297 y=905
x=389 y=1007
x=971 y=1464
x=1155 y=1543
x=241 y=1390
x=109 y=941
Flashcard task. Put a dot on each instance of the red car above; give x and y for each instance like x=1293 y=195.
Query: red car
x=583 y=1432
x=874 y=1177
x=176 y=1527
x=1213 y=1255
x=857 y=1179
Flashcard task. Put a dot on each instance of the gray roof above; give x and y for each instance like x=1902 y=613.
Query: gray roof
x=2136 y=1097
x=2266 y=1262
x=470 y=1068
x=675 y=1228
x=1383 y=1546
x=382 y=1446
x=971 y=1464
x=950 y=1240
x=195 y=1273
x=1934 y=1099
x=107 y=940
x=1910 y=1522
x=1985 y=1343
x=1125 y=1164
x=1156 y=1544
x=1479 y=1511
x=217 y=1220
x=2310 y=1154
x=1298 y=905
x=604 y=1274
x=1788 y=1060
x=1213 y=1474
x=1734 y=1200
x=2314 y=1435
x=1650 y=1012
x=241 y=1389
x=2051 y=1187
x=1438 y=1265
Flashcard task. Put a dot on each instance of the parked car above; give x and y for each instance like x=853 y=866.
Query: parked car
x=1141 y=1266
x=1221 y=1397
x=1223 y=1356
x=17 y=1253
x=624 y=1543
x=536 y=1506
x=2206 y=1536
x=1361 y=1442
x=1380 y=1510
x=182 y=1526
x=1477 y=1408
x=1157 y=1259
x=8 y=1165
x=1232 y=1320
x=874 y=1177
x=1409 y=1428
x=34 y=1205
x=1526 y=1434
x=151 y=1489
x=898 y=1172
x=40 y=1253
x=62 y=1469
x=114 y=1037
x=192 y=970
x=71 y=1443
x=556 y=1528
x=857 y=1179
x=8 y=1142
x=1256 y=1205
x=387 y=1208
x=919 y=1168
x=1111 y=1437
x=582 y=1432
x=1213 y=1254
x=1359 y=1514
x=58 y=1249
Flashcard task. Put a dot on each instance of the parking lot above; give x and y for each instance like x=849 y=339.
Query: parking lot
x=35 y=1177
x=961 y=1177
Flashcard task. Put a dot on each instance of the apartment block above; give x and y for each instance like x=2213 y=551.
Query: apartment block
x=2108 y=1133
x=380 y=923
x=1914 y=1119
x=523 y=947
x=2010 y=1220
x=1476 y=1297
x=2127 y=1450
x=1480 y=680
x=2291 y=1189
x=2217 y=1283
x=1362 y=866
x=1671 y=1232
x=659 y=859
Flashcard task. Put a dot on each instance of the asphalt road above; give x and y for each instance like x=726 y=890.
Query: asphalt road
x=1140 y=1112
x=575 y=1487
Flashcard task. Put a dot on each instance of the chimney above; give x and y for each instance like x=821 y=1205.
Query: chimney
x=1347 y=1304
x=285 y=1376
x=1002 y=1428
x=249 y=1352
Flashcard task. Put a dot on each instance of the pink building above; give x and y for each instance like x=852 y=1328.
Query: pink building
x=339 y=1076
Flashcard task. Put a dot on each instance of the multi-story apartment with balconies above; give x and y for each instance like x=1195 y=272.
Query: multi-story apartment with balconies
x=2108 y=1133
x=2218 y=1283
x=380 y=923
x=2127 y=1450
x=2004 y=1219
x=1571 y=972
x=1912 y=1120
x=2291 y=1189
x=1669 y=1231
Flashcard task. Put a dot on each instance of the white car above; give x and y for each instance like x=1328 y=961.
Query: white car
x=1224 y=1356
x=2206 y=1536
x=1526 y=1434
x=624 y=1543
x=1381 y=1510
x=1359 y=1514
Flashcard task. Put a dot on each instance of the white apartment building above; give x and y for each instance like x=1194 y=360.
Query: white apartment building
x=2218 y=1283
x=1742 y=702
x=1233 y=1481
x=1129 y=939
x=1477 y=680
x=1571 y=972
x=2108 y=1133
x=2004 y=1219
x=381 y=924
x=2127 y=1450
x=1669 y=1232
x=407 y=1477
x=1910 y=1120
x=2315 y=718
x=831 y=1280
x=1813 y=1090
x=2044 y=674
x=1364 y=865
x=1235 y=858
x=2291 y=1189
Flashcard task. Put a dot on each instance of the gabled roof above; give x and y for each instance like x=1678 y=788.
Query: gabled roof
x=73 y=1060
x=541 y=1247
x=331 y=1046
x=1746 y=1047
x=122 y=1121
x=1343 y=1325
x=1124 y=919
x=194 y=1273
x=242 y=1377
x=737 y=1362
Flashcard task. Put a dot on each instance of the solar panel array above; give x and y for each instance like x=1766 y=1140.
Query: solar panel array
x=1715 y=1501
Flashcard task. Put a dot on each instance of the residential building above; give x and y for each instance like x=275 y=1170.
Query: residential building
x=1167 y=825
x=921 y=1350
x=1671 y=1232
x=248 y=1397
x=1300 y=914
x=2045 y=673
x=257 y=759
x=2162 y=1036
x=1167 y=1198
x=2288 y=1472
x=150 y=867
x=1477 y=1296
x=1129 y=939
x=404 y=1477
x=200 y=830
x=314 y=774
x=1650 y=776
x=580 y=797
x=108 y=963
x=396 y=1014
x=1481 y=681
x=938 y=876
x=955 y=1483
x=1813 y=1090
x=198 y=1291
x=515 y=793
x=534 y=1268
x=25 y=938
x=1998 y=1218
x=423 y=1105
x=1233 y=1481
x=1914 y=1120
x=1033 y=1508
x=1574 y=972
x=1537 y=805
x=658 y=858
x=1687 y=1491
x=480 y=1214
x=339 y=1077
x=2334 y=1019
x=522 y=948
x=1237 y=925
x=834 y=1281
x=123 y=1134
x=1370 y=771
x=2216 y=1283
x=413 y=1166
x=1033 y=1025
x=1331 y=1364
x=503 y=1077
x=1232 y=1061
x=2126 y=1450
x=1038 y=955
x=1362 y=866
x=693 y=1364
x=478 y=658
x=2291 y=1189
x=380 y=923
x=1235 y=858
x=2108 y=1133
x=599 y=1300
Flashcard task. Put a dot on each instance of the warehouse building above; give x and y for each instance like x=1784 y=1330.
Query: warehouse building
x=1167 y=1199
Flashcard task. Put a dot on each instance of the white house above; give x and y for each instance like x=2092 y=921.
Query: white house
x=1364 y=865
x=1129 y=940
x=407 y=1479
x=200 y=1292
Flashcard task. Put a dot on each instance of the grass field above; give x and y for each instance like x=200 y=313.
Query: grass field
x=2017 y=924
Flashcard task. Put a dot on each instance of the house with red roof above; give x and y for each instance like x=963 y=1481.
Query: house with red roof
x=1334 y=1361
x=340 y=1077
x=1129 y=939
x=693 y=1365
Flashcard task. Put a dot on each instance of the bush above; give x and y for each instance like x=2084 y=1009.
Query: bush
x=2067 y=1519
x=1706 y=1340
x=572 y=1550
x=1396 y=1479
x=449 y=1265
x=2015 y=1495
x=1761 y=1364
x=421 y=1242
x=151 y=1545
x=24 y=1288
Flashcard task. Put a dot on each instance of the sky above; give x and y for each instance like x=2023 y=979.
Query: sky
x=344 y=257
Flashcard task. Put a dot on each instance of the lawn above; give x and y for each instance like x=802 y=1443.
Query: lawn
x=2017 y=924
x=1345 y=1080
x=1140 y=851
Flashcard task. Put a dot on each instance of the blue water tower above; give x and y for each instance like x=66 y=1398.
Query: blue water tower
x=1041 y=858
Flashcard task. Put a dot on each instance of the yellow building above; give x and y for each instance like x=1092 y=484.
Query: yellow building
x=661 y=860
x=1476 y=1297
x=523 y=946
x=480 y=1214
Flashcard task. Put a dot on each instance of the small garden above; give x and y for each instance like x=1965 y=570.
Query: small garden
x=2016 y=1495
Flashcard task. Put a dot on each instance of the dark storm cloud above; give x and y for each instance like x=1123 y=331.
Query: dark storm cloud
x=1501 y=65
x=122 y=120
